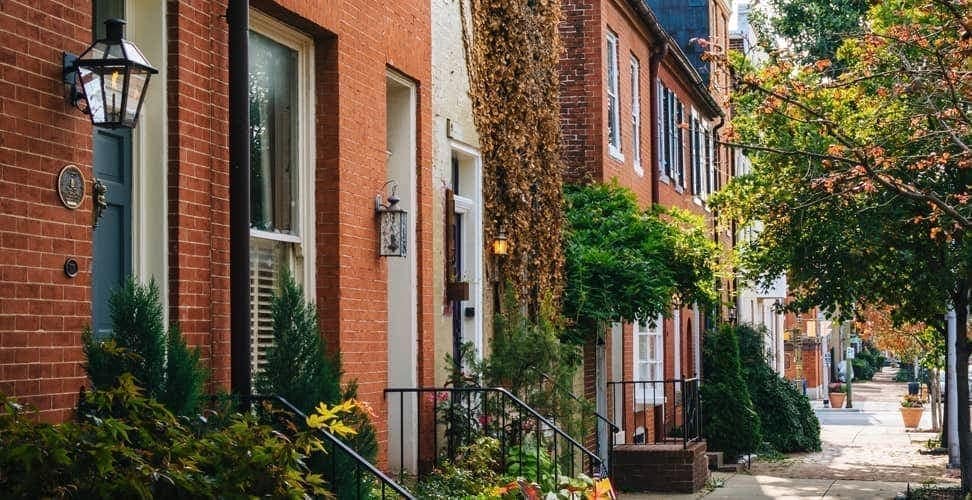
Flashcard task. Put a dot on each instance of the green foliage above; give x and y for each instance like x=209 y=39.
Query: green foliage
x=138 y=345
x=528 y=358
x=298 y=369
x=185 y=377
x=301 y=371
x=786 y=418
x=867 y=362
x=471 y=474
x=127 y=446
x=816 y=28
x=626 y=264
x=729 y=421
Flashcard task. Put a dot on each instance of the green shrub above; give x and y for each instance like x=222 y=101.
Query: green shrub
x=471 y=474
x=124 y=445
x=729 y=421
x=159 y=361
x=786 y=418
x=300 y=370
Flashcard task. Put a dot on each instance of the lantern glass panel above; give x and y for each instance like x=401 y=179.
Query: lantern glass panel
x=394 y=233
x=137 y=82
x=133 y=53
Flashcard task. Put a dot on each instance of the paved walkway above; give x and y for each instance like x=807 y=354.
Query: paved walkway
x=866 y=454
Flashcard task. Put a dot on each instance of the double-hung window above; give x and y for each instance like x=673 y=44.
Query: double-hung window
x=670 y=135
x=649 y=358
x=281 y=173
x=711 y=176
x=613 y=104
x=636 y=115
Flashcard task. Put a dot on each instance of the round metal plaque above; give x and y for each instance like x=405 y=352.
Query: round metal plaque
x=70 y=186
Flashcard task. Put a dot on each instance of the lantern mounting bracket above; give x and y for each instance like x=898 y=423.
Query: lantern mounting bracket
x=69 y=74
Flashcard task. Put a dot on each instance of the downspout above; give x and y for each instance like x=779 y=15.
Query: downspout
x=657 y=55
x=237 y=17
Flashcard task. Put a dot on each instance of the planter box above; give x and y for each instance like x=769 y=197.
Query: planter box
x=837 y=399
x=911 y=416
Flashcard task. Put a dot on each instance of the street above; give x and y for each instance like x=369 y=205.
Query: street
x=866 y=454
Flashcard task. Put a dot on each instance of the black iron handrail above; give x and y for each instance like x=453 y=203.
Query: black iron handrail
x=386 y=483
x=584 y=403
x=677 y=397
x=469 y=407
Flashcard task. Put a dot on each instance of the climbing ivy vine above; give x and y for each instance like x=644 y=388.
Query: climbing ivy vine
x=512 y=52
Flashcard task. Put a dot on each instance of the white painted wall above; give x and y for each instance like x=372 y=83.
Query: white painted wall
x=454 y=132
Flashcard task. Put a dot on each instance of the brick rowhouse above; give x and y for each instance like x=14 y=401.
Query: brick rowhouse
x=184 y=143
x=647 y=65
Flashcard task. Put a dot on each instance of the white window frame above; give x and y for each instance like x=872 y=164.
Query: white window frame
x=613 y=94
x=301 y=237
x=636 y=116
x=649 y=395
x=677 y=324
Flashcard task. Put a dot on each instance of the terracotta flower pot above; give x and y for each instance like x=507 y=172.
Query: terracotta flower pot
x=837 y=399
x=911 y=416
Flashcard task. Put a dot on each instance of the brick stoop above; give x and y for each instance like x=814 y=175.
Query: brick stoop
x=660 y=467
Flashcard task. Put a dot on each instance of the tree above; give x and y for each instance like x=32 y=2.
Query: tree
x=628 y=264
x=815 y=28
x=863 y=180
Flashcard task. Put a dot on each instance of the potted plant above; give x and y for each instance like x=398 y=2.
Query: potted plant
x=837 y=394
x=911 y=409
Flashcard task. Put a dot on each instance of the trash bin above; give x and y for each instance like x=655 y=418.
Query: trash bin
x=913 y=388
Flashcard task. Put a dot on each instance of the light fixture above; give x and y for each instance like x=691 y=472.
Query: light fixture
x=500 y=244
x=111 y=77
x=392 y=225
x=732 y=315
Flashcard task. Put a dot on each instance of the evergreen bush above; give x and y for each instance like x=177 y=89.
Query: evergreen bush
x=729 y=422
x=786 y=418
x=139 y=344
x=300 y=370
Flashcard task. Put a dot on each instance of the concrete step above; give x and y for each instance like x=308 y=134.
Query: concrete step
x=715 y=459
x=732 y=468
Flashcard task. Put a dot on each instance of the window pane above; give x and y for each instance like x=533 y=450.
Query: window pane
x=273 y=134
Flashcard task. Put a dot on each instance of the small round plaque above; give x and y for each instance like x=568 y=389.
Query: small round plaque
x=70 y=186
x=70 y=267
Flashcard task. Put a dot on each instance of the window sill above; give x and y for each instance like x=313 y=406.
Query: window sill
x=698 y=201
x=664 y=178
x=679 y=189
x=640 y=172
x=614 y=153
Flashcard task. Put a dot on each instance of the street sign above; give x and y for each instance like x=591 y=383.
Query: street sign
x=850 y=353
x=827 y=358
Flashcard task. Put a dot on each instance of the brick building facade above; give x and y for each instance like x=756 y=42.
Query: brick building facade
x=634 y=109
x=359 y=111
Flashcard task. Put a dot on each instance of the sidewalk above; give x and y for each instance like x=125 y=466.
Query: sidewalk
x=740 y=486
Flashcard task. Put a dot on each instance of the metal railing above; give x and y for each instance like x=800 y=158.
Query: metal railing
x=585 y=405
x=531 y=445
x=671 y=408
x=369 y=482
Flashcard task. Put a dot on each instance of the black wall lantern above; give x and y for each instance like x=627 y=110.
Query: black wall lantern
x=392 y=226
x=111 y=77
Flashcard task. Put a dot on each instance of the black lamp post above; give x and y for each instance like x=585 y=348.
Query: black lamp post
x=111 y=76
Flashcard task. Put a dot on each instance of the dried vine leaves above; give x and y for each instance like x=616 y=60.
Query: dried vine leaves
x=513 y=55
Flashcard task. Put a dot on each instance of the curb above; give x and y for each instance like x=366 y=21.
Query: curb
x=839 y=410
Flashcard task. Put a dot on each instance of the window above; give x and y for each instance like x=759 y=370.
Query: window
x=281 y=142
x=677 y=324
x=614 y=111
x=649 y=357
x=695 y=131
x=636 y=115
x=672 y=153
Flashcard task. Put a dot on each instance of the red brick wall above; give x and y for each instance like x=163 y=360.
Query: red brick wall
x=42 y=311
x=198 y=180
x=581 y=131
